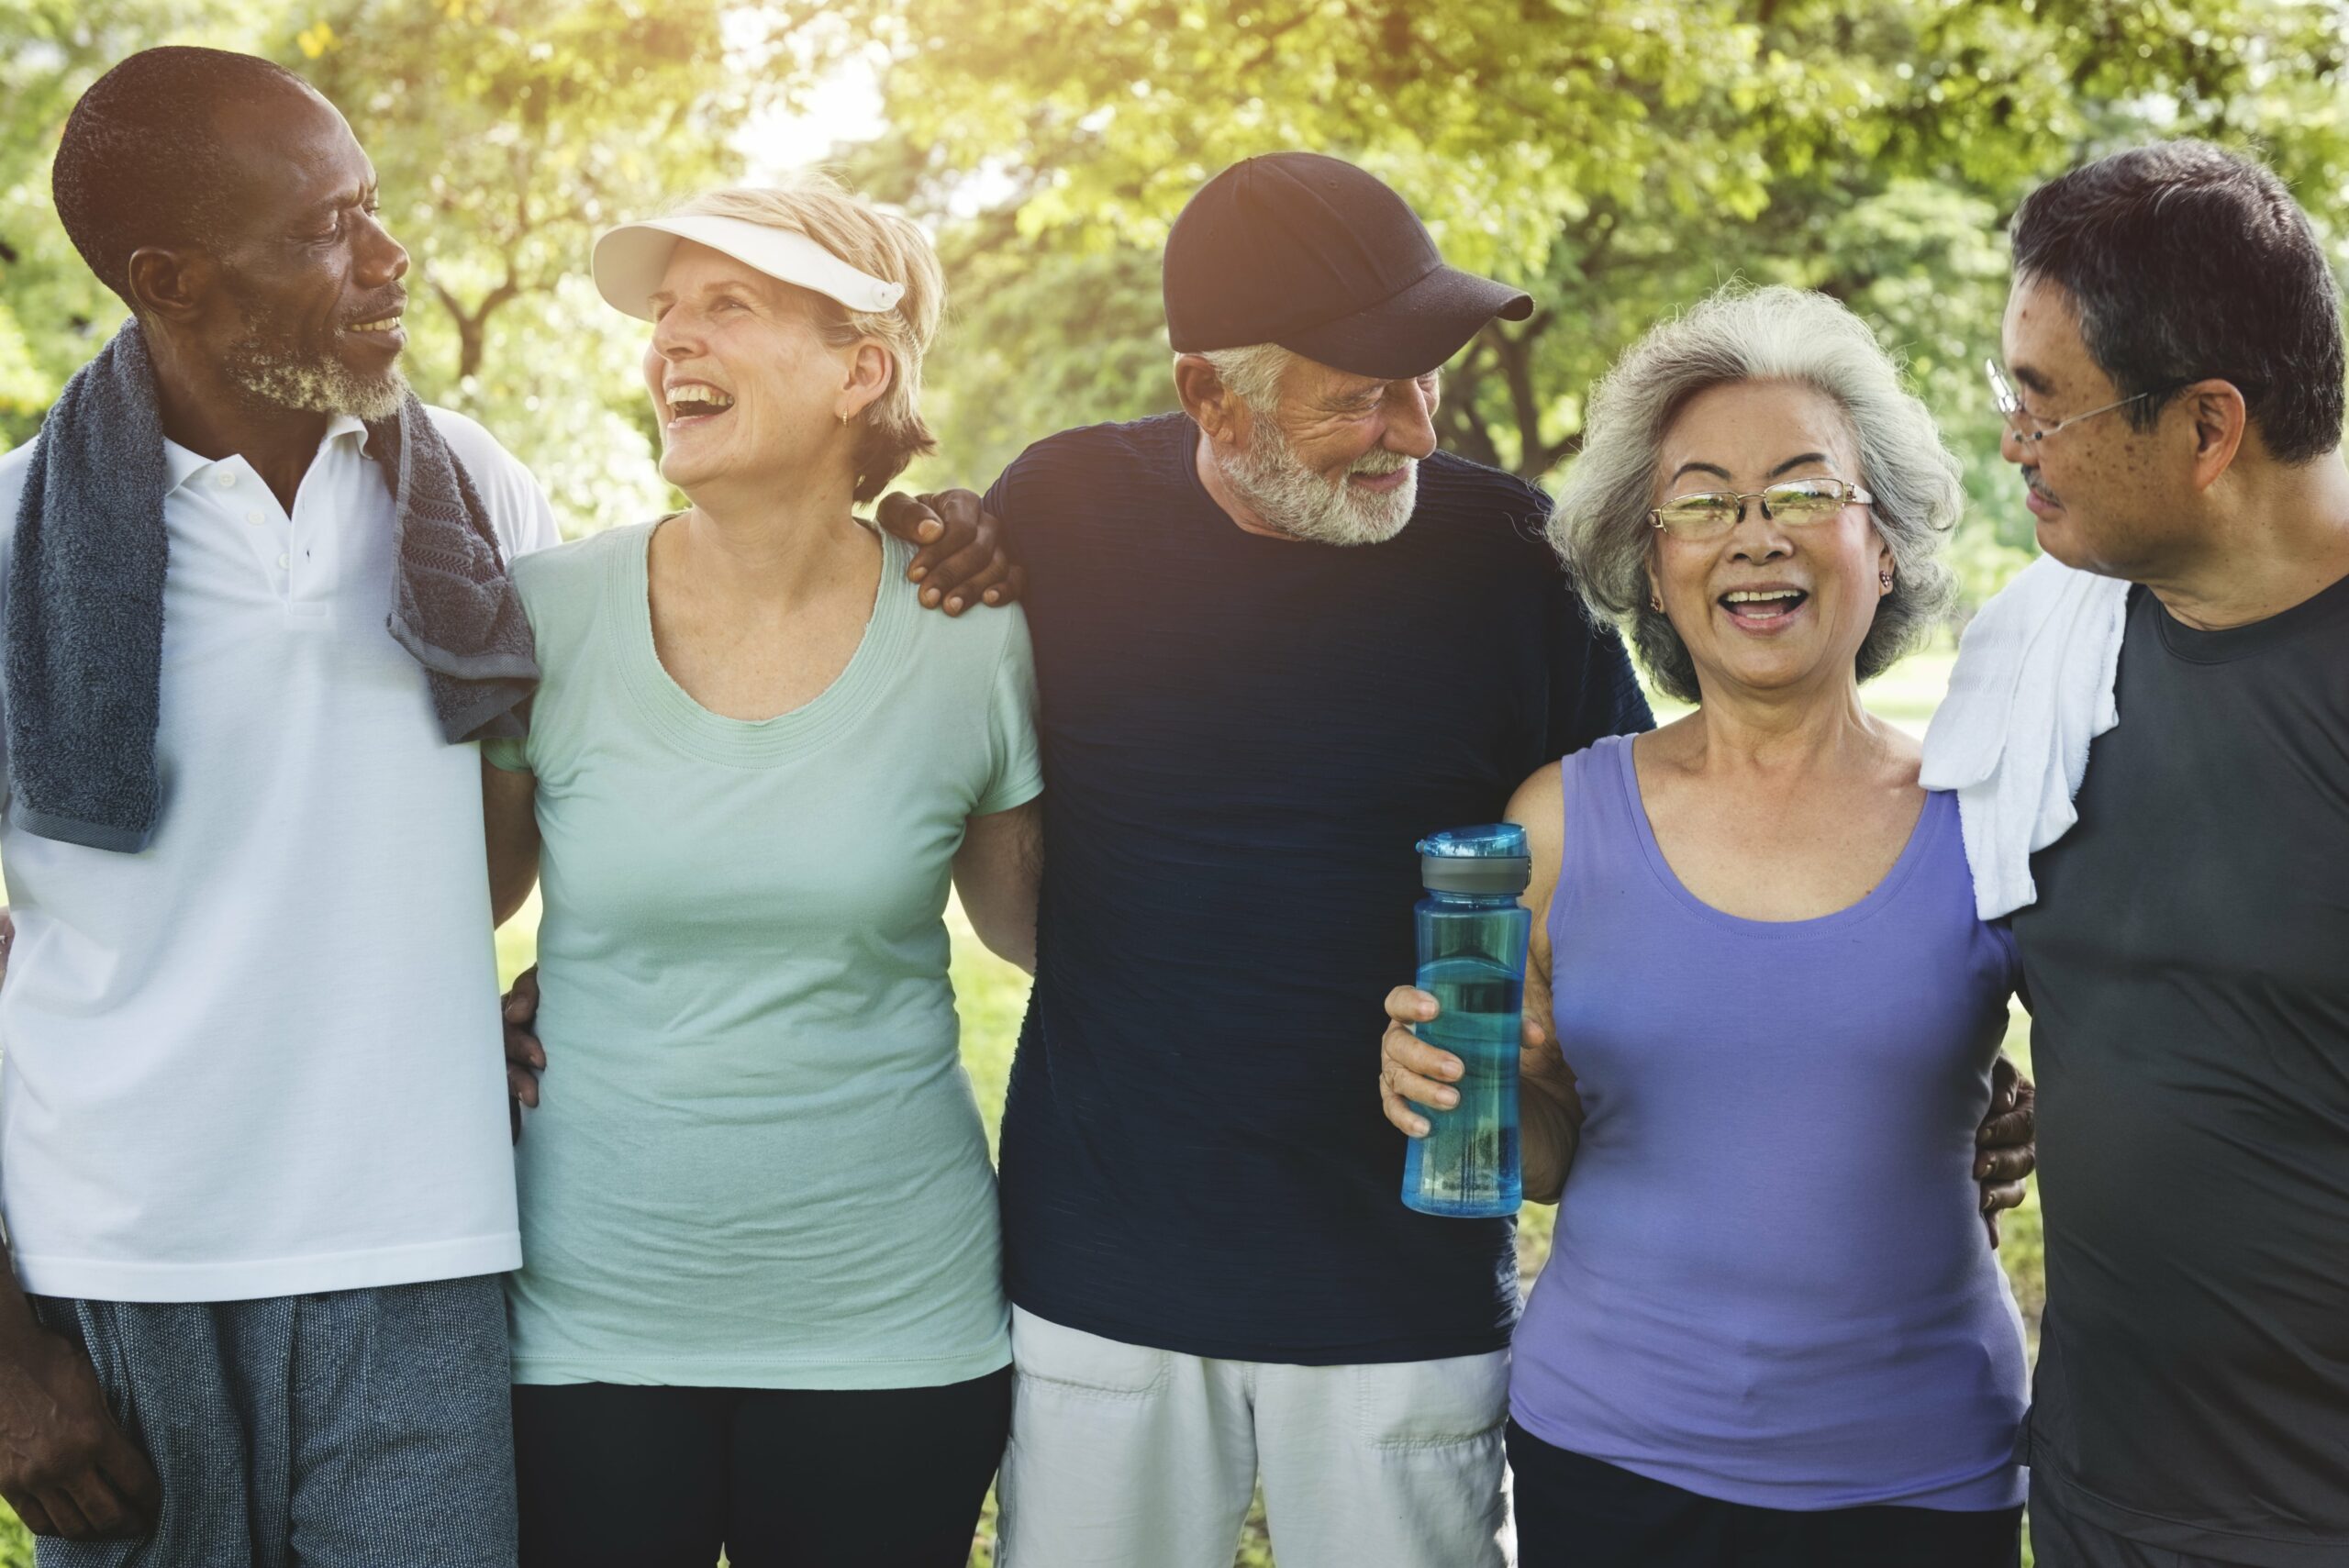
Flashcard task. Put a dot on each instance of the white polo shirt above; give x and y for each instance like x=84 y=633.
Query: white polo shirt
x=261 y=1056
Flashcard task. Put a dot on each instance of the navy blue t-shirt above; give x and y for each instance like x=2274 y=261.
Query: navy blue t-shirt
x=1242 y=739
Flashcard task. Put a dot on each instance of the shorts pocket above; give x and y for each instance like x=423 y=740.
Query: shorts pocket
x=1047 y=1357
x=1431 y=1404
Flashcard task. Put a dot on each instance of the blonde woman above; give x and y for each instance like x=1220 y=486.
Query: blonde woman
x=762 y=1308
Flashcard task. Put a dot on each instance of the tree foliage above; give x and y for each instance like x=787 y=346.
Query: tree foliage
x=505 y=134
x=1616 y=157
x=53 y=314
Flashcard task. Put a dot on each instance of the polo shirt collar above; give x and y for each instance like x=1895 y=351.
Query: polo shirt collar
x=180 y=465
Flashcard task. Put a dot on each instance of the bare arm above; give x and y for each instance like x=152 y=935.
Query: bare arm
x=510 y=819
x=996 y=873
x=1549 y=1110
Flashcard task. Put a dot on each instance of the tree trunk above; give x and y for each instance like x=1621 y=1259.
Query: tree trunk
x=472 y=325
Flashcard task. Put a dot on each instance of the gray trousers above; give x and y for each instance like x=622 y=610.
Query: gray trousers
x=359 y=1429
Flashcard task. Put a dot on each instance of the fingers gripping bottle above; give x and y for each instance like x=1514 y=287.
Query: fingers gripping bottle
x=1471 y=961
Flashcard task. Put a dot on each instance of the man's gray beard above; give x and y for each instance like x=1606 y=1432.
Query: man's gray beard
x=1281 y=490
x=277 y=378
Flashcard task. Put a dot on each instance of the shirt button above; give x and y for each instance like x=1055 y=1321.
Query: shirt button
x=224 y=479
x=253 y=516
x=282 y=564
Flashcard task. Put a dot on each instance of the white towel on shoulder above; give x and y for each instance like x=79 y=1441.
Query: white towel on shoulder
x=2033 y=687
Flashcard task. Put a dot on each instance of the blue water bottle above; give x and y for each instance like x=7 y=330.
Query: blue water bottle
x=1471 y=961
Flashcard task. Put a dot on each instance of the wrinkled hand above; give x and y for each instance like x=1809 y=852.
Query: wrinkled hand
x=65 y=1467
x=961 y=557
x=1411 y=1071
x=525 y=1057
x=2007 y=1143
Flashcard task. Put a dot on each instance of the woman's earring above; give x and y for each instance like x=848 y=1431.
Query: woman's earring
x=1885 y=578
x=844 y=426
x=1656 y=601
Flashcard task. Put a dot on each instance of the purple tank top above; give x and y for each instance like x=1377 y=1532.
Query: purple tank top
x=1770 y=1283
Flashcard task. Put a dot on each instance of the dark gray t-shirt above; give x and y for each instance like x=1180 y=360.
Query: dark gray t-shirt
x=2188 y=965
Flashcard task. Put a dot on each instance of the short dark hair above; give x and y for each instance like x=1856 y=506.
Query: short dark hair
x=141 y=161
x=2185 y=261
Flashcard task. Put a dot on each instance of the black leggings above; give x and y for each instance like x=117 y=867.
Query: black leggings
x=622 y=1477
x=1575 y=1510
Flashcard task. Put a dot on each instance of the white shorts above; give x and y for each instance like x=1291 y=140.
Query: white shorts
x=1126 y=1457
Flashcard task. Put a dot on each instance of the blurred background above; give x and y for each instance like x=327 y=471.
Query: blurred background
x=1617 y=158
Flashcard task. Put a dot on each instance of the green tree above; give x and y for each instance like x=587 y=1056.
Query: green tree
x=506 y=135
x=1617 y=157
x=53 y=314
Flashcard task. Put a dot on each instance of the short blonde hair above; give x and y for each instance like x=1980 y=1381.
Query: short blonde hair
x=892 y=249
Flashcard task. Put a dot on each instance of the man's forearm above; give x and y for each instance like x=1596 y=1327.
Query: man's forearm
x=1547 y=1131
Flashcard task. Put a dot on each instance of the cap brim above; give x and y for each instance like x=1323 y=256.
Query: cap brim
x=630 y=260
x=1414 y=330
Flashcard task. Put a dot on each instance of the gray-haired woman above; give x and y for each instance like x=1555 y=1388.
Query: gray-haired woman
x=1772 y=1331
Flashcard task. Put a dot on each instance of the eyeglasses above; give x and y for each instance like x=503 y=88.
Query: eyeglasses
x=2026 y=425
x=1798 y=501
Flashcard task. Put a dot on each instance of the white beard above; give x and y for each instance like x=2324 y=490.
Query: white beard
x=278 y=374
x=317 y=387
x=1301 y=504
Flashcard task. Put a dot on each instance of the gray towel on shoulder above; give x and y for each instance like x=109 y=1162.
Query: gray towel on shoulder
x=84 y=629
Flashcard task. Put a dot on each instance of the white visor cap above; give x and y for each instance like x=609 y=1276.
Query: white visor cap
x=632 y=259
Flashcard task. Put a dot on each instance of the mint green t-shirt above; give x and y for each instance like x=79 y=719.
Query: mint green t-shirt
x=756 y=1159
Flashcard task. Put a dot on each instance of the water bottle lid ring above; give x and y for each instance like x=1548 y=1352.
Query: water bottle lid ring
x=1491 y=859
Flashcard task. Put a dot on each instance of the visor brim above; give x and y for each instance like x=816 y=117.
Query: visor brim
x=628 y=263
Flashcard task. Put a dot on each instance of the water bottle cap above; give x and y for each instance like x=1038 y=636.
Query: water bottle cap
x=1491 y=859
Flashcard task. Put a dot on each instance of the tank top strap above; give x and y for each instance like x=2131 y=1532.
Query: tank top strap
x=1601 y=842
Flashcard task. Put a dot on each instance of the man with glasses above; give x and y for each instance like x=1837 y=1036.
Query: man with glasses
x=2174 y=342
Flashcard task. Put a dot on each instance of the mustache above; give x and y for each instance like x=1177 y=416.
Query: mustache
x=2030 y=481
x=392 y=302
x=1376 y=464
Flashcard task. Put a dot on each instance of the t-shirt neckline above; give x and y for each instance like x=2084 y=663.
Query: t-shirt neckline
x=2224 y=646
x=747 y=742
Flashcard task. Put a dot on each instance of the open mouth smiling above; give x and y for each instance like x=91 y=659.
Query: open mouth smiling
x=1764 y=609
x=695 y=403
x=380 y=331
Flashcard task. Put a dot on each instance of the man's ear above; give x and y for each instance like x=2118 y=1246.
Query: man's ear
x=170 y=286
x=1222 y=414
x=2221 y=421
